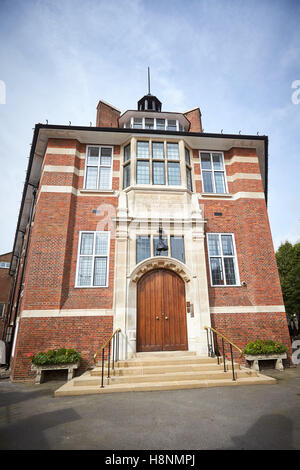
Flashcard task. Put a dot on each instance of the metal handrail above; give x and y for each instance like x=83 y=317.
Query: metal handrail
x=224 y=337
x=115 y=354
x=213 y=348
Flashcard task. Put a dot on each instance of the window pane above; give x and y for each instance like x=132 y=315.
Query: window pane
x=207 y=182
x=91 y=177
x=159 y=173
x=127 y=153
x=229 y=271
x=219 y=181
x=217 y=161
x=137 y=123
x=158 y=150
x=105 y=178
x=105 y=161
x=85 y=270
x=93 y=156
x=149 y=123
x=187 y=156
x=87 y=242
x=106 y=152
x=100 y=270
x=213 y=245
x=126 y=176
x=160 y=124
x=227 y=245
x=171 y=125
x=177 y=248
x=101 y=247
x=172 y=151
x=189 y=179
x=174 y=173
x=205 y=161
x=142 y=248
x=143 y=149
x=142 y=172
x=163 y=252
x=216 y=271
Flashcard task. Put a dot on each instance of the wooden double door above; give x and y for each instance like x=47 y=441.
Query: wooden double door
x=161 y=312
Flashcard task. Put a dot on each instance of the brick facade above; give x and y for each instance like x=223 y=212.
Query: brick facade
x=55 y=313
x=5 y=289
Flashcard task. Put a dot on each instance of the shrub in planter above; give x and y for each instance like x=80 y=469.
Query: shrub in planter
x=259 y=347
x=53 y=357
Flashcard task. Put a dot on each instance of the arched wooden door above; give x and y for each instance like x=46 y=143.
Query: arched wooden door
x=161 y=312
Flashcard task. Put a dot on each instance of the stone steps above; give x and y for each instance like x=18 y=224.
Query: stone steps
x=162 y=371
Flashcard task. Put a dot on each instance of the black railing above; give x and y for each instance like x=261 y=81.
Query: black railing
x=213 y=348
x=112 y=355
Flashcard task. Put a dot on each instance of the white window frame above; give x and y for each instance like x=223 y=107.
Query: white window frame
x=213 y=171
x=130 y=124
x=4 y=265
x=99 y=167
x=235 y=261
x=93 y=256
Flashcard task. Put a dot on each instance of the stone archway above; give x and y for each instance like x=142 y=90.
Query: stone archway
x=139 y=271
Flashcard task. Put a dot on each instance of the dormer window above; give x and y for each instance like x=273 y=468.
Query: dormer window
x=149 y=123
x=137 y=123
x=172 y=125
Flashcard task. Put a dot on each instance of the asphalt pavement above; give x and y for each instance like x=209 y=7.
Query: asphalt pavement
x=252 y=417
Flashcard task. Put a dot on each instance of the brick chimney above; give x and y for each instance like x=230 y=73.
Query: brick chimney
x=194 y=116
x=107 y=115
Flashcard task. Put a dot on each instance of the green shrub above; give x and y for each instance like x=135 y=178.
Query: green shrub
x=52 y=357
x=258 y=347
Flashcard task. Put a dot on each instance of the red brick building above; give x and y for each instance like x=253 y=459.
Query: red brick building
x=124 y=224
x=5 y=289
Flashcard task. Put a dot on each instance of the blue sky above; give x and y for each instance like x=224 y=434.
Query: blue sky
x=236 y=60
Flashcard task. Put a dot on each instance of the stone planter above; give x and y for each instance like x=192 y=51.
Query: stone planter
x=41 y=368
x=266 y=357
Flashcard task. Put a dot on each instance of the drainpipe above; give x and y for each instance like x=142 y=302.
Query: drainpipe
x=21 y=279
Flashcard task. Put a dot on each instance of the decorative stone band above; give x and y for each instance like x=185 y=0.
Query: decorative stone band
x=241 y=159
x=68 y=169
x=65 y=151
x=248 y=309
x=235 y=196
x=237 y=176
x=66 y=313
x=77 y=192
x=81 y=192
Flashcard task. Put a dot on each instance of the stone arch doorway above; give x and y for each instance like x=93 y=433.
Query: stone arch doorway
x=161 y=312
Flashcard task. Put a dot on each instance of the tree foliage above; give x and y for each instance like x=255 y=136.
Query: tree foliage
x=288 y=262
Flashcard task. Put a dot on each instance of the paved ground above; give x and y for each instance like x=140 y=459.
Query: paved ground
x=249 y=417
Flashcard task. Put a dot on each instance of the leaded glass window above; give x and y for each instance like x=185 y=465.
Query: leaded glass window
x=92 y=262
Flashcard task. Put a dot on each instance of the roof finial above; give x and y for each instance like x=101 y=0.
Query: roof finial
x=149 y=81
